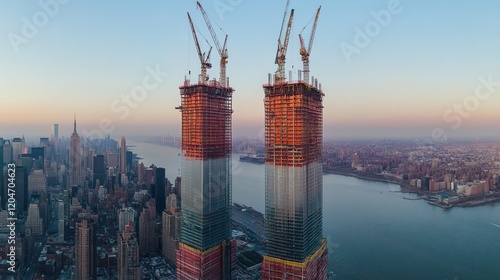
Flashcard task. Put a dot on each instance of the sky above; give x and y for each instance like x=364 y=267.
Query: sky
x=389 y=69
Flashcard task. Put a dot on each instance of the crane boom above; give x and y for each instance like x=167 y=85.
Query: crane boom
x=281 y=31
x=222 y=50
x=203 y=60
x=313 y=32
x=281 y=58
x=305 y=53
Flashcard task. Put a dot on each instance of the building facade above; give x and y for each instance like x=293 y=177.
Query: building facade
x=295 y=248
x=205 y=249
x=85 y=249
x=75 y=159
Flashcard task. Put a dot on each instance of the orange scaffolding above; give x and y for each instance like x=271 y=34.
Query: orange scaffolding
x=294 y=124
x=206 y=120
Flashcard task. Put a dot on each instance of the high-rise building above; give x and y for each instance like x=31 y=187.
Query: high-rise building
x=22 y=196
x=126 y=215
x=295 y=248
x=37 y=182
x=140 y=173
x=98 y=170
x=171 y=220
x=45 y=143
x=128 y=254
x=112 y=159
x=34 y=219
x=75 y=159
x=60 y=220
x=160 y=184
x=205 y=250
x=17 y=148
x=85 y=249
x=7 y=152
x=123 y=156
x=147 y=225
x=128 y=159
x=54 y=138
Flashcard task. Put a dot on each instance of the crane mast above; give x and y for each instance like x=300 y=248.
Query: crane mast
x=222 y=50
x=305 y=53
x=282 y=48
x=205 y=64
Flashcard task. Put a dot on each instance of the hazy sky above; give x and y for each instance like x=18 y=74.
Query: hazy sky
x=404 y=76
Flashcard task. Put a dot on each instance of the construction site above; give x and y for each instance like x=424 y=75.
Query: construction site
x=206 y=250
x=295 y=247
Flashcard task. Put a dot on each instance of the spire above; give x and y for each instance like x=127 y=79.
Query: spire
x=74 y=128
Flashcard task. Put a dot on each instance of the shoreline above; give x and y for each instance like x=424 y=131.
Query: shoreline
x=422 y=195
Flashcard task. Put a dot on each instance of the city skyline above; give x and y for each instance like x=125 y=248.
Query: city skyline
x=411 y=73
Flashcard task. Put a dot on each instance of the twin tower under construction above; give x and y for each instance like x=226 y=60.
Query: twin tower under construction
x=293 y=173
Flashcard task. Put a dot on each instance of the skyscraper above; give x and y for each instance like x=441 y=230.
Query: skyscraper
x=123 y=156
x=126 y=215
x=7 y=152
x=60 y=220
x=205 y=250
x=128 y=254
x=21 y=182
x=98 y=170
x=34 y=219
x=295 y=248
x=160 y=197
x=75 y=159
x=37 y=182
x=54 y=139
x=85 y=249
x=171 y=229
x=147 y=225
x=17 y=148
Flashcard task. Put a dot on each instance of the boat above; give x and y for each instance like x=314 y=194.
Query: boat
x=253 y=159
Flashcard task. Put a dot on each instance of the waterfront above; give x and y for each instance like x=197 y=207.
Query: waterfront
x=373 y=233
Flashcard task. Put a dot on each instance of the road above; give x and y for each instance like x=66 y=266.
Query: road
x=246 y=219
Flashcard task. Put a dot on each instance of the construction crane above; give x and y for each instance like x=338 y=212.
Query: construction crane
x=305 y=53
x=204 y=60
x=222 y=50
x=281 y=52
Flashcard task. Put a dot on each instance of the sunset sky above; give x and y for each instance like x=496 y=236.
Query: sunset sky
x=86 y=56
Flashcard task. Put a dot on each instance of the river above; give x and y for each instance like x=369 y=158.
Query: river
x=372 y=232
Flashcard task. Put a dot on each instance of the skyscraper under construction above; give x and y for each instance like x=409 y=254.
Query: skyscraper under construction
x=206 y=250
x=293 y=141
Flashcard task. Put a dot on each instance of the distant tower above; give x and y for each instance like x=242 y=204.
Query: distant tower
x=17 y=148
x=85 y=249
x=126 y=215
x=147 y=225
x=60 y=220
x=98 y=170
x=160 y=197
x=171 y=229
x=123 y=156
x=75 y=159
x=128 y=254
x=34 y=219
x=54 y=139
